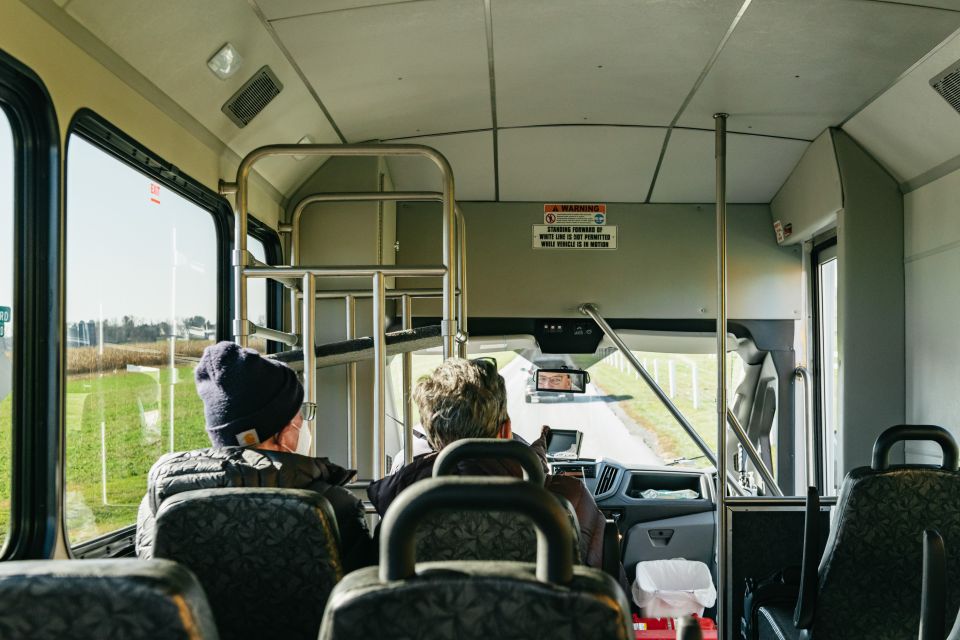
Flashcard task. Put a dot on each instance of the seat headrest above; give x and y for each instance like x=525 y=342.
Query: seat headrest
x=554 y=539
x=135 y=599
x=495 y=448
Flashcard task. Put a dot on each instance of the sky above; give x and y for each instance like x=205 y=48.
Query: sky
x=126 y=254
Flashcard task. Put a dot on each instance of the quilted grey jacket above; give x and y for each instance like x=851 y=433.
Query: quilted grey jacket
x=245 y=467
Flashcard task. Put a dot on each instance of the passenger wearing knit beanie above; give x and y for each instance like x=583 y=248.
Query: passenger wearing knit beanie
x=247 y=398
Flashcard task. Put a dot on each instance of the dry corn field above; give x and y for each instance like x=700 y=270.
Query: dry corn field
x=116 y=357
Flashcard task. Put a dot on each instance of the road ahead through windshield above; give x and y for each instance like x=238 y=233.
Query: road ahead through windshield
x=593 y=413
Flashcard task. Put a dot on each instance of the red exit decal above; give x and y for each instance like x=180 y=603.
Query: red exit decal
x=154 y=193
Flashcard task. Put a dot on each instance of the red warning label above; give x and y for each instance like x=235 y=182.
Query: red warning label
x=579 y=214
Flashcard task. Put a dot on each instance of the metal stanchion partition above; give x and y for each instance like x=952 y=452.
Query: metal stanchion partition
x=721 y=161
x=302 y=280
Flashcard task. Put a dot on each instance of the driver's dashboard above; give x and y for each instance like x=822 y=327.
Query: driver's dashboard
x=660 y=512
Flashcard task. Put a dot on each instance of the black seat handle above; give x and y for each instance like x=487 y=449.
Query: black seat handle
x=554 y=538
x=476 y=448
x=901 y=432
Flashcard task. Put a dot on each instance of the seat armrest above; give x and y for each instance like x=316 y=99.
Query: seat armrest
x=933 y=597
x=809 y=575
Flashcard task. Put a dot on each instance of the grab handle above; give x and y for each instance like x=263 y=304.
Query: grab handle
x=893 y=435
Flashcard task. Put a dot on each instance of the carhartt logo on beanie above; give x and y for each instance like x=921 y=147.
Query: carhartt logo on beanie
x=246 y=398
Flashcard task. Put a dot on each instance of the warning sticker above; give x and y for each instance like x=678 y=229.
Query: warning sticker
x=575 y=214
x=558 y=236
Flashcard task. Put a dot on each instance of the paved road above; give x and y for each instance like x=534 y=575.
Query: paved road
x=604 y=435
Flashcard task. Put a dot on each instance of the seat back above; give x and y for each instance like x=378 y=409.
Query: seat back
x=267 y=558
x=470 y=600
x=486 y=535
x=95 y=599
x=869 y=578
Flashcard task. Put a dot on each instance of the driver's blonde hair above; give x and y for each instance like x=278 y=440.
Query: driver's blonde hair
x=461 y=399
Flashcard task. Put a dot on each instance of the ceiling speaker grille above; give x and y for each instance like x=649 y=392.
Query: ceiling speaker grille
x=252 y=97
x=947 y=84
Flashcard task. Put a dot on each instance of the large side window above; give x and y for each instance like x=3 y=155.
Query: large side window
x=827 y=363
x=142 y=287
x=6 y=324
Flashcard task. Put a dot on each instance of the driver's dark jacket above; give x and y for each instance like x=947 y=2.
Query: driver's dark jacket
x=383 y=492
x=245 y=467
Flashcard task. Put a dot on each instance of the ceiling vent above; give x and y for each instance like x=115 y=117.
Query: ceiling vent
x=252 y=97
x=947 y=84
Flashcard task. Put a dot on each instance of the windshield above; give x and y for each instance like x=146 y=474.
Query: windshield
x=619 y=416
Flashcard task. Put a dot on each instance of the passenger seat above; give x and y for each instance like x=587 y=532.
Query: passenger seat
x=267 y=558
x=477 y=600
x=868 y=583
x=97 y=599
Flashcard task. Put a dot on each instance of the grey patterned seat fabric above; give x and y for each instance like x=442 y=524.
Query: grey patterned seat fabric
x=267 y=558
x=869 y=576
x=102 y=599
x=477 y=600
x=486 y=535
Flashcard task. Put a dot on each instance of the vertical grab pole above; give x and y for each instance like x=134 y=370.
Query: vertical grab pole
x=407 y=312
x=240 y=259
x=721 y=160
x=379 y=377
x=448 y=323
x=352 y=458
x=309 y=350
x=811 y=456
x=462 y=282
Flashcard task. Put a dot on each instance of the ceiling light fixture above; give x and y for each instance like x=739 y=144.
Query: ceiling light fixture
x=225 y=62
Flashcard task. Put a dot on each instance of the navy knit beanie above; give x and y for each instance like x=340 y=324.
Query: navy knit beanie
x=246 y=398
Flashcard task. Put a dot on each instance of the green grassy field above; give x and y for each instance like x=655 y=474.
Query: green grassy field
x=131 y=414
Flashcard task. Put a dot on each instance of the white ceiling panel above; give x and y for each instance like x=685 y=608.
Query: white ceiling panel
x=603 y=61
x=581 y=164
x=756 y=167
x=910 y=128
x=279 y=9
x=794 y=68
x=470 y=155
x=397 y=70
x=171 y=47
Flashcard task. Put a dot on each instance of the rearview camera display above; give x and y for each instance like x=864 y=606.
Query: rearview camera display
x=569 y=381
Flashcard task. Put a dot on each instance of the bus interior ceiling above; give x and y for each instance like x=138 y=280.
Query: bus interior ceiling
x=835 y=134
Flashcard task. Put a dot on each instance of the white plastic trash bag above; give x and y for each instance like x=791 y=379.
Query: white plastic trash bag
x=673 y=588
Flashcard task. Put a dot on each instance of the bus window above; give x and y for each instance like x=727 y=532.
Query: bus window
x=6 y=326
x=829 y=365
x=141 y=306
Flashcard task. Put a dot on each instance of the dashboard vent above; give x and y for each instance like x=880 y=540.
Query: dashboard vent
x=252 y=97
x=605 y=483
x=947 y=84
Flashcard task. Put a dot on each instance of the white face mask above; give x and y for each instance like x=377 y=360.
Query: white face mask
x=304 y=442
